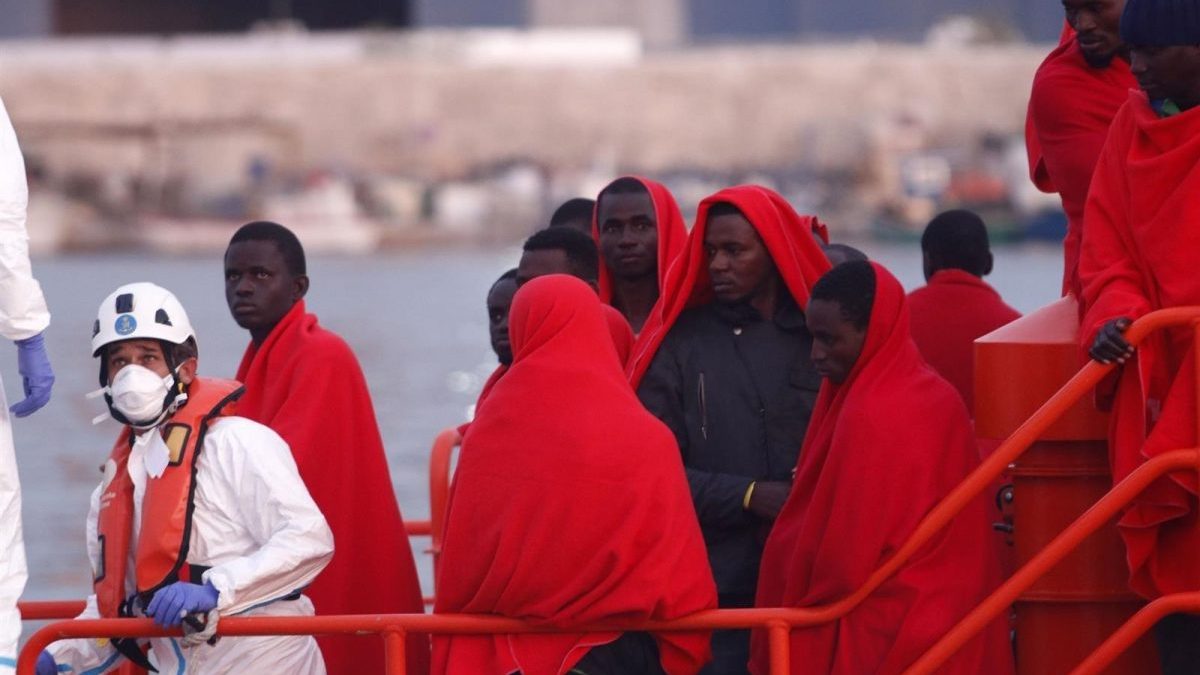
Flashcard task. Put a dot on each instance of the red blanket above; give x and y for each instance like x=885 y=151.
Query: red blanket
x=555 y=518
x=948 y=315
x=881 y=450
x=1070 y=109
x=1140 y=254
x=790 y=238
x=305 y=383
x=672 y=233
x=618 y=329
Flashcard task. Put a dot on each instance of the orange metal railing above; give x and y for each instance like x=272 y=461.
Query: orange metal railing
x=440 y=460
x=777 y=622
x=395 y=627
x=1092 y=519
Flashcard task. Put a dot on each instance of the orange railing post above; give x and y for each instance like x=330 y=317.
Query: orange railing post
x=778 y=637
x=395 y=654
x=440 y=459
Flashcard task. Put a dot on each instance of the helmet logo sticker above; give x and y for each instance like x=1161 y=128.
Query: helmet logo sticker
x=125 y=324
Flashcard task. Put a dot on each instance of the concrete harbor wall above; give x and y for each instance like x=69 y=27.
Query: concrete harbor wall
x=571 y=107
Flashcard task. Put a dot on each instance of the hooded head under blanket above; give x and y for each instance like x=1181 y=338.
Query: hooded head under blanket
x=790 y=238
x=570 y=504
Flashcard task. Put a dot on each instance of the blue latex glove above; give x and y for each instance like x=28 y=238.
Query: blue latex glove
x=36 y=375
x=46 y=665
x=170 y=605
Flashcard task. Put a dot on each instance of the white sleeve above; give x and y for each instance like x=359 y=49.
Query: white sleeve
x=80 y=655
x=23 y=310
x=294 y=542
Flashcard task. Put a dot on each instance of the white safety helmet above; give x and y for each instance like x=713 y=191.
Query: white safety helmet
x=147 y=312
x=140 y=311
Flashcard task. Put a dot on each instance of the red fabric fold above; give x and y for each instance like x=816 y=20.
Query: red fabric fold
x=1071 y=108
x=790 y=238
x=570 y=504
x=881 y=450
x=618 y=329
x=1139 y=255
x=948 y=314
x=672 y=233
x=306 y=384
x=621 y=333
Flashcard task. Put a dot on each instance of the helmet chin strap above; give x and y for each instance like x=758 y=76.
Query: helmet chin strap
x=175 y=398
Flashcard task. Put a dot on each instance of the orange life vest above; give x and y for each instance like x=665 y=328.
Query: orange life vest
x=166 y=526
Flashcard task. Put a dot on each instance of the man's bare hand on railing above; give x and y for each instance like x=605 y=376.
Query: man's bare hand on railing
x=1110 y=344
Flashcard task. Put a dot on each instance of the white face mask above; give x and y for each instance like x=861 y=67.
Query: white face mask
x=140 y=395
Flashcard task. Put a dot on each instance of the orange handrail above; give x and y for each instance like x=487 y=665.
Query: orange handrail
x=1134 y=628
x=394 y=627
x=1061 y=546
x=1092 y=519
x=418 y=528
x=44 y=610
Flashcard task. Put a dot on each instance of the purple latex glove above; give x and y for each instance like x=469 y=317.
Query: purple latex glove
x=171 y=604
x=36 y=375
x=46 y=665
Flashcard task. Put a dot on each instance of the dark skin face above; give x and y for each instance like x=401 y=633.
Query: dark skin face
x=837 y=343
x=499 y=301
x=1168 y=72
x=259 y=289
x=1097 y=24
x=629 y=235
x=739 y=265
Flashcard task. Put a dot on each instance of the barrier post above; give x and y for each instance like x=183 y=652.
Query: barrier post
x=778 y=636
x=439 y=486
x=395 y=651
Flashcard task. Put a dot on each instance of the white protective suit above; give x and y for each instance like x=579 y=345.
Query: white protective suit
x=258 y=529
x=22 y=314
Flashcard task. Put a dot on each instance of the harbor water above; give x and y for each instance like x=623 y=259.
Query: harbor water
x=416 y=320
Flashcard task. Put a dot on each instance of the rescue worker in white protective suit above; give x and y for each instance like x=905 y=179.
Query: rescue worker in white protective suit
x=23 y=317
x=200 y=514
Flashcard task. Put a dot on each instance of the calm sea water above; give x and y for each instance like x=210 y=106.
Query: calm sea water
x=416 y=321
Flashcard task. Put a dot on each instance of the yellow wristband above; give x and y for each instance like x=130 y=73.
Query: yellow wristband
x=749 y=492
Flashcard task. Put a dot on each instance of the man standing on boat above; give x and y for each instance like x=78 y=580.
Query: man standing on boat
x=200 y=514
x=724 y=362
x=888 y=440
x=304 y=382
x=1139 y=255
x=23 y=317
x=1076 y=92
x=639 y=232
x=956 y=306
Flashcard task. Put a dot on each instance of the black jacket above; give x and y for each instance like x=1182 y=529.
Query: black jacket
x=737 y=392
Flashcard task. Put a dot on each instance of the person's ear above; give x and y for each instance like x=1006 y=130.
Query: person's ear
x=299 y=287
x=187 y=371
x=926 y=265
x=988 y=267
